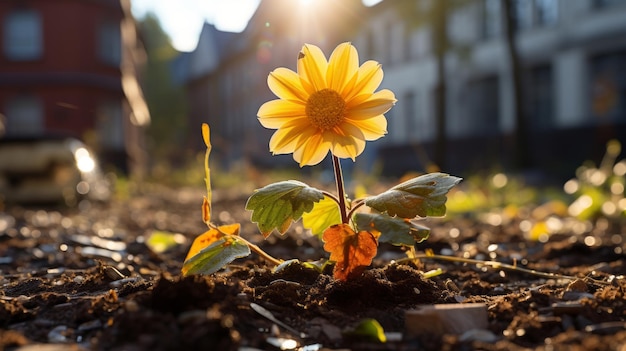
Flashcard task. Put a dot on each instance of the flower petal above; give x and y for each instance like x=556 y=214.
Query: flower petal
x=274 y=114
x=312 y=66
x=347 y=141
x=372 y=128
x=313 y=150
x=286 y=84
x=342 y=65
x=377 y=104
x=369 y=77
x=286 y=139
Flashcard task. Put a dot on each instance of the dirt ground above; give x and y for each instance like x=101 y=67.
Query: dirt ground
x=86 y=279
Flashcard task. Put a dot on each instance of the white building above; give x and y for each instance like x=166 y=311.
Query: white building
x=572 y=55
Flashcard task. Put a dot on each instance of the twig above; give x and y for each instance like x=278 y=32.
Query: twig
x=496 y=265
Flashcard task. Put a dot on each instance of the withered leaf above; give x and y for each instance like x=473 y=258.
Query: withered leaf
x=351 y=251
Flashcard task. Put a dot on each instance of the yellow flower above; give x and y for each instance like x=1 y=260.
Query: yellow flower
x=326 y=106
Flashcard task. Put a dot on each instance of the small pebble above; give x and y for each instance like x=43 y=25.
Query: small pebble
x=91 y=325
x=482 y=335
x=131 y=306
x=57 y=334
x=113 y=273
x=573 y=308
x=119 y=283
x=606 y=328
x=576 y=295
x=577 y=285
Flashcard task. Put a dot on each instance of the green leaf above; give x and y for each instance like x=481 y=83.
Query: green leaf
x=324 y=214
x=393 y=230
x=160 y=241
x=217 y=255
x=422 y=196
x=370 y=329
x=315 y=265
x=277 y=205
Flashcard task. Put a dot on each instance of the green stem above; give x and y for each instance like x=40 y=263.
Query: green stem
x=330 y=196
x=341 y=194
x=355 y=206
x=252 y=246
x=262 y=253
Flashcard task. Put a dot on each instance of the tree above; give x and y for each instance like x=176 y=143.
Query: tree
x=165 y=100
x=520 y=138
x=436 y=16
x=440 y=42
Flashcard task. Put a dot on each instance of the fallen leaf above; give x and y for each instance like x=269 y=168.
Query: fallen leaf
x=217 y=255
x=210 y=236
x=160 y=241
x=369 y=329
x=351 y=251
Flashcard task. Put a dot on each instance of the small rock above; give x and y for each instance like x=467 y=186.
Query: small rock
x=572 y=308
x=576 y=295
x=58 y=334
x=577 y=285
x=91 y=325
x=483 y=335
x=113 y=273
x=606 y=328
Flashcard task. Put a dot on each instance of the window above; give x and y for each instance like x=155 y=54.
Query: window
x=410 y=117
x=484 y=107
x=522 y=13
x=491 y=18
x=547 y=12
x=540 y=97
x=607 y=3
x=110 y=43
x=110 y=125
x=370 y=43
x=23 y=35
x=608 y=87
x=24 y=115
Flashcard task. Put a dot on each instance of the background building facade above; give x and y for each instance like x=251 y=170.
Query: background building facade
x=71 y=67
x=570 y=55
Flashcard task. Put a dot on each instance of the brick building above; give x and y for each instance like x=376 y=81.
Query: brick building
x=71 y=67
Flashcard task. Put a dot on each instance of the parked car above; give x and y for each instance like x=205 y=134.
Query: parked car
x=50 y=169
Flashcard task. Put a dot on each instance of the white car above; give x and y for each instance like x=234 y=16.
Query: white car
x=49 y=170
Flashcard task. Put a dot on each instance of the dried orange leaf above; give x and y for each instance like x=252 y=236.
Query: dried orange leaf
x=210 y=236
x=351 y=251
x=206 y=210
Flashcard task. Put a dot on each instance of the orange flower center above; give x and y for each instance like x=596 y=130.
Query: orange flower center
x=325 y=109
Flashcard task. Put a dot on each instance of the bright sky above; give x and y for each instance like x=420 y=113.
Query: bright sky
x=182 y=20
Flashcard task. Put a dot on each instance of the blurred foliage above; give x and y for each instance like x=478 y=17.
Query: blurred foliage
x=596 y=193
x=166 y=100
x=599 y=190
x=482 y=193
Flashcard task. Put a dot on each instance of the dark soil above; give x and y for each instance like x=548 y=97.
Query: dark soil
x=85 y=279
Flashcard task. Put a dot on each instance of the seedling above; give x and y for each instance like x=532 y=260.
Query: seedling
x=326 y=107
